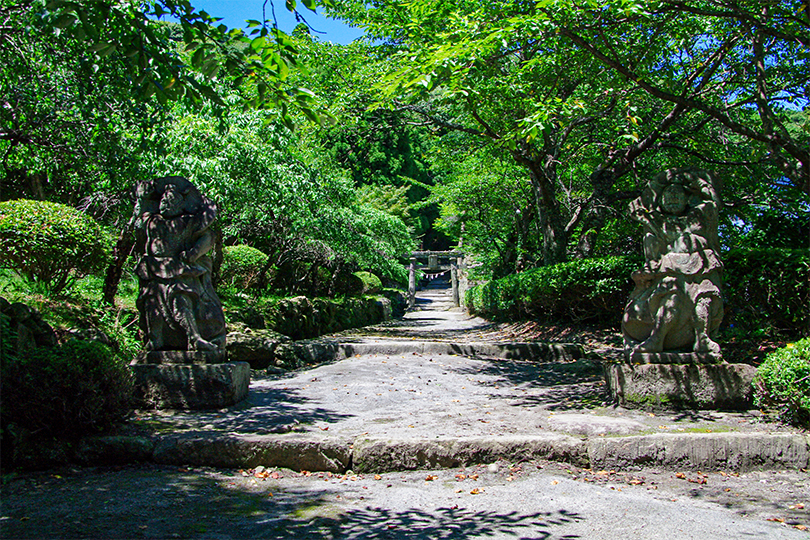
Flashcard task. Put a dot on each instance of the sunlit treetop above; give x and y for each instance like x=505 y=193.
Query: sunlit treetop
x=174 y=61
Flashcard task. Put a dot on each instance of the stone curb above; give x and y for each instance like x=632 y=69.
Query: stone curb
x=384 y=455
x=536 y=352
x=716 y=451
x=710 y=451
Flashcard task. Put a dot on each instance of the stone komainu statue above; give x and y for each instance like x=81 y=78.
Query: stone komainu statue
x=676 y=305
x=179 y=309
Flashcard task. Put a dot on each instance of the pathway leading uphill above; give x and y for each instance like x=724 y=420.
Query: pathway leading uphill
x=438 y=388
x=428 y=427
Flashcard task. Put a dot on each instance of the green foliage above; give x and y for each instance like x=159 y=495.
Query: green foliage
x=241 y=266
x=78 y=388
x=171 y=61
x=80 y=308
x=371 y=283
x=485 y=200
x=49 y=242
x=783 y=381
x=278 y=195
x=580 y=290
x=772 y=228
x=768 y=292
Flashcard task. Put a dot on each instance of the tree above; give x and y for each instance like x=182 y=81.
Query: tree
x=487 y=202
x=719 y=57
x=512 y=75
x=130 y=33
x=278 y=194
x=67 y=125
x=85 y=85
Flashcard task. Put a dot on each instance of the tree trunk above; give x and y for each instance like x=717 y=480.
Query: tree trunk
x=552 y=226
x=123 y=248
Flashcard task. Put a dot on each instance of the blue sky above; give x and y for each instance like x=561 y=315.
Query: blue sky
x=235 y=12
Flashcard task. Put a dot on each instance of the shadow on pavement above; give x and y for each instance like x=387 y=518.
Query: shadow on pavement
x=552 y=386
x=157 y=502
x=448 y=523
x=266 y=411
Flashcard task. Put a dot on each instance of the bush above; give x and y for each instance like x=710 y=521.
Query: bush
x=241 y=266
x=371 y=283
x=60 y=393
x=768 y=292
x=575 y=291
x=50 y=242
x=783 y=381
x=359 y=283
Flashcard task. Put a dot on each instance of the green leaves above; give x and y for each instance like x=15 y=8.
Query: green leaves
x=589 y=289
x=210 y=52
x=50 y=243
x=783 y=381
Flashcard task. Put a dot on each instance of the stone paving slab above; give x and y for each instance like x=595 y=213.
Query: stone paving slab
x=424 y=392
x=381 y=412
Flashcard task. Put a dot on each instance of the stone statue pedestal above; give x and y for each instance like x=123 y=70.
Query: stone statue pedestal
x=638 y=357
x=188 y=380
x=656 y=386
x=181 y=357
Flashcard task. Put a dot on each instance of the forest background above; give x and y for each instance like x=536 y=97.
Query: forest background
x=515 y=130
x=519 y=129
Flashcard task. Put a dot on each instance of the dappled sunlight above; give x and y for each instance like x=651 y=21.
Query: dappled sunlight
x=267 y=410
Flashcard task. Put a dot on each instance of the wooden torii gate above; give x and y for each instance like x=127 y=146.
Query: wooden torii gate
x=434 y=259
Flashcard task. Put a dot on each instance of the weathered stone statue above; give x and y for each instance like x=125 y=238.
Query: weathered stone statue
x=179 y=309
x=184 y=363
x=676 y=306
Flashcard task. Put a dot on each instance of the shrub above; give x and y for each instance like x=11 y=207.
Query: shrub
x=241 y=266
x=371 y=283
x=768 y=292
x=50 y=242
x=783 y=381
x=67 y=391
x=575 y=291
x=60 y=393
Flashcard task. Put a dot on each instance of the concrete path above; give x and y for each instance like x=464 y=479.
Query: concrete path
x=404 y=402
x=408 y=441
x=498 y=500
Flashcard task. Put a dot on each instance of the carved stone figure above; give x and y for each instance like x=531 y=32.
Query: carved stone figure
x=179 y=309
x=676 y=305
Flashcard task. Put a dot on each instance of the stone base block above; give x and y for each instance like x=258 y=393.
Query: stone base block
x=674 y=358
x=190 y=386
x=181 y=357
x=689 y=386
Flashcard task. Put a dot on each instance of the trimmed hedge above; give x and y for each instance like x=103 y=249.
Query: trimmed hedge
x=371 y=283
x=50 y=242
x=241 y=266
x=593 y=290
x=768 y=292
x=60 y=393
x=783 y=381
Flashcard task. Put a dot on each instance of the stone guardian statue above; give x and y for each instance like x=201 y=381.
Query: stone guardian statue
x=179 y=309
x=676 y=306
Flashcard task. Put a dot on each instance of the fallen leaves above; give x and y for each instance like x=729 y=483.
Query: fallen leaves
x=261 y=473
x=700 y=479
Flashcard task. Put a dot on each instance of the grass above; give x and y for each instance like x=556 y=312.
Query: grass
x=81 y=307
